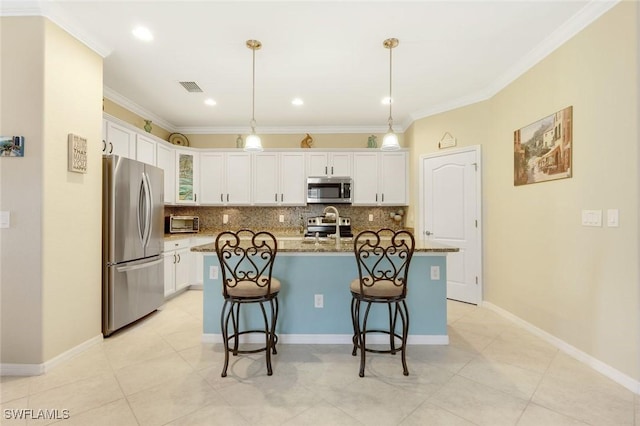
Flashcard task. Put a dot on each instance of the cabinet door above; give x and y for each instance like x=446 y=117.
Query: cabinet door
x=145 y=150
x=187 y=177
x=212 y=187
x=197 y=263
x=293 y=183
x=340 y=164
x=265 y=179
x=166 y=160
x=120 y=140
x=183 y=267
x=238 y=178
x=393 y=178
x=365 y=178
x=169 y=273
x=317 y=164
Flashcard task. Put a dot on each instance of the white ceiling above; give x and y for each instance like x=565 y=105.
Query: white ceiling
x=330 y=54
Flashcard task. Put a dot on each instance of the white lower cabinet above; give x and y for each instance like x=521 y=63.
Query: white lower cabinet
x=178 y=262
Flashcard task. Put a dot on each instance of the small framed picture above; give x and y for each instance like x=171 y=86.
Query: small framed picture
x=11 y=146
x=77 y=154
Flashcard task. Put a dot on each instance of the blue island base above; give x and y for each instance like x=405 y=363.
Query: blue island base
x=304 y=276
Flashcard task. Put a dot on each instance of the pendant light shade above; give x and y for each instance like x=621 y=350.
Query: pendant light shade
x=390 y=140
x=252 y=142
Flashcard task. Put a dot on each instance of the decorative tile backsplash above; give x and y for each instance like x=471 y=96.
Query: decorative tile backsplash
x=294 y=217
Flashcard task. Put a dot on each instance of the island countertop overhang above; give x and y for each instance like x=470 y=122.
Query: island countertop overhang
x=303 y=245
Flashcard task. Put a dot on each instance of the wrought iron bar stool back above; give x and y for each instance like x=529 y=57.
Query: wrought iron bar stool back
x=383 y=259
x=246 y=262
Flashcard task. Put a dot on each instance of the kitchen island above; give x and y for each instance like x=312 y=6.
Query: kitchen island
x=307 y=269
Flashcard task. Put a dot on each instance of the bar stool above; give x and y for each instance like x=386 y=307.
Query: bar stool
x=246 y=260
x=383 y=259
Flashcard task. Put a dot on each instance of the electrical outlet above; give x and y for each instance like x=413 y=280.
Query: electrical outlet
x=225 y=218
x=318 y=301
x=370 y=218
x=213 y=272
x=435 y=272
x=281 y=218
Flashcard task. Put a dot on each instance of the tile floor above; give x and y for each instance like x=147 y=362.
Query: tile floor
x=159 y=373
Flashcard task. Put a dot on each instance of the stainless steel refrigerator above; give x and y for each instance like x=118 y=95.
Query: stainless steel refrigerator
x=132 y=241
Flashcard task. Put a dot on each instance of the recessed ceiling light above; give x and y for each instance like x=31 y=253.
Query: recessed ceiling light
x=142 y=33
x=210 y=102
x=386 y=100
x=297 y=102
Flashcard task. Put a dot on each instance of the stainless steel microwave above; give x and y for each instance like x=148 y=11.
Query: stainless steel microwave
x=176 y=224
x=329 y=190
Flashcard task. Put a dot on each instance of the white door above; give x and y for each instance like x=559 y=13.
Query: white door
x=265 y=179
x=293 y=183
x=212 y=185
x=450 y=213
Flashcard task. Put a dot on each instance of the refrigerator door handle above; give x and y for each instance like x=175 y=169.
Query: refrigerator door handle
x=148 y=209
x=138 y=266
x=140 y=211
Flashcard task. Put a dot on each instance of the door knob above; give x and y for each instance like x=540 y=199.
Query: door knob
x=428 y=232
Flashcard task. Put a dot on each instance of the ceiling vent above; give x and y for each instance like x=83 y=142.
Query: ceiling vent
x=191 y=86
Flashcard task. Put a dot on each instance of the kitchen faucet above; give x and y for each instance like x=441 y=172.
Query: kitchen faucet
x=335 y=211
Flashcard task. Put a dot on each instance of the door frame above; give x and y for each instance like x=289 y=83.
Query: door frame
x=421 y=206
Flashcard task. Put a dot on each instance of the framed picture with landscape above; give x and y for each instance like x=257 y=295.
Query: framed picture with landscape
x=542 y=150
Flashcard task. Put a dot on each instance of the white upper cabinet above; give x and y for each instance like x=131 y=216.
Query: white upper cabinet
x=145 y=150
x=118 y=140
x=266 y=182
x=166 y=160
x=365 y=178
x=293 y=182
x=238 y=178
x=380 y=178
x=329 y=163
x=187 y=177
x=394 y=178
x=225 y=178
x=279 y=178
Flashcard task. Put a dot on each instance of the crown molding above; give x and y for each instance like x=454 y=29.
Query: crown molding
x=124 y=102
x=285 y=130
x=589 y=13
x=52 y=12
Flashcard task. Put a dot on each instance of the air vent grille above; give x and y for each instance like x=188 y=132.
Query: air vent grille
x=191 y=86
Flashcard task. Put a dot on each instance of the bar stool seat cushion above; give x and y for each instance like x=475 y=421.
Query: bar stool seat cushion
x=382 y=288
x=250 y=289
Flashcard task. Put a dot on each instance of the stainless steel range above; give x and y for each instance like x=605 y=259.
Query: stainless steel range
x=324 y=226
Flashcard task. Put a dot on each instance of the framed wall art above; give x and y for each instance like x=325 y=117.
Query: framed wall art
x=12 y=146
x=542 y=150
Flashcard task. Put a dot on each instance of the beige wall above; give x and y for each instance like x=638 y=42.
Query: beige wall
x=51 y=255
x=577 y=283
x=71 y=254
x=21 y=113
x=326 y=141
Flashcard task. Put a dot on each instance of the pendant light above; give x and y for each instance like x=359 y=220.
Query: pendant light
x=390 y=140
x=252 y=142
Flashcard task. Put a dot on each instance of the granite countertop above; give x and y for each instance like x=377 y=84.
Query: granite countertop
x=307 y=245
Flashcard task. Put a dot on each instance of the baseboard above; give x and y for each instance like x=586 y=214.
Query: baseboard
x=330 y=339
x=38 y=369
x=605 y=369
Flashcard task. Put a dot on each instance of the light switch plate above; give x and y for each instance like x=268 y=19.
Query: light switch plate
x=213 y=272
x=281 y=218
x=435 y=272
x=613 y=218
x=592 y=218
x=370 y=218
x=225 y=218
x=5 y=219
